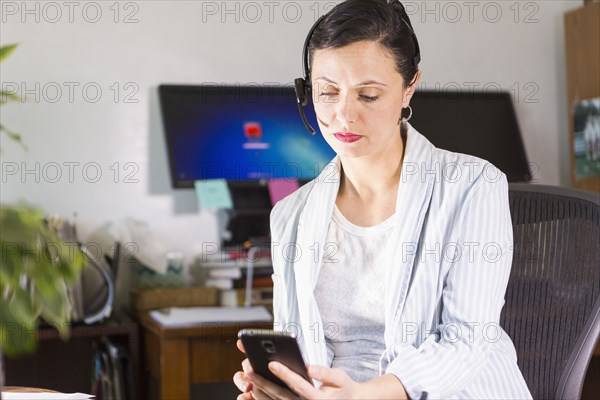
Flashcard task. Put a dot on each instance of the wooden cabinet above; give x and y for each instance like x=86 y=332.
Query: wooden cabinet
x=181 y=356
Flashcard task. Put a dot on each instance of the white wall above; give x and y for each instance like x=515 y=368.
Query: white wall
x=194 y=42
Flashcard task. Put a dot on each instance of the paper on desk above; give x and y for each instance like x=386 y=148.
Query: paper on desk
x=45 y=396
x=180 y=316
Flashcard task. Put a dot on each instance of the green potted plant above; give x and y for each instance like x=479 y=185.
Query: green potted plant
x=5 y=96
x=36 y=268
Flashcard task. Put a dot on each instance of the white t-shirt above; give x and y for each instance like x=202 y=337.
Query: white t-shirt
x=350 y=295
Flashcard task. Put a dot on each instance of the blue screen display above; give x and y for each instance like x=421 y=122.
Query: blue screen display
x=239 y=133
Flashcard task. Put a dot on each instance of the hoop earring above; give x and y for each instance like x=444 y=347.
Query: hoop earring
x=409 y=115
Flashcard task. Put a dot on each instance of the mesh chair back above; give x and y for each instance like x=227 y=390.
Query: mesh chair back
x=552 y=299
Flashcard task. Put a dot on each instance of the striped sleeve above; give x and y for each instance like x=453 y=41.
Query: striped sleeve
x=279 y=292
x=473 y=295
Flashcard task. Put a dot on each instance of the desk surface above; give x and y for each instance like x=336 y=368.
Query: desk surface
x=200 y=329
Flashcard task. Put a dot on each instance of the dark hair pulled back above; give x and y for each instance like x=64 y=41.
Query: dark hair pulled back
x=372 y=20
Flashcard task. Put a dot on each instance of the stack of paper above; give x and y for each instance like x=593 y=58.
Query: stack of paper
x=180 y=316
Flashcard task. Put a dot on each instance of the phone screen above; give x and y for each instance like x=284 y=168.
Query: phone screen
x=263 y=346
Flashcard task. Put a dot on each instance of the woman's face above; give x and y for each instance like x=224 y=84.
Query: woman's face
x=358 y=97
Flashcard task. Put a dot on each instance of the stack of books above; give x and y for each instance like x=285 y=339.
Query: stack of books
x=228 y=272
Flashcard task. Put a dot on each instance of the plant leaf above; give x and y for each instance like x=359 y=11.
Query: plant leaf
x=9 y=269
x=13 y=136
x=5 y=96
x=16 y=337
x=56 y=307
x=6 y=51
x=18 y=225
x=31 y=248
x=21 y=306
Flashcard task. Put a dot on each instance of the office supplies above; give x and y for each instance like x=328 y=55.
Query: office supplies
x=280 y=188
x=213 y=193
x=237 y=297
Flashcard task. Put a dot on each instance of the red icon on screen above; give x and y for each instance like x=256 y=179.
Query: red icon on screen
x=253 y=130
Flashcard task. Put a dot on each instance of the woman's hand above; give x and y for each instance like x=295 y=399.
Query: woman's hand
x=241 y=379
x=244 y=382
x=336 y=384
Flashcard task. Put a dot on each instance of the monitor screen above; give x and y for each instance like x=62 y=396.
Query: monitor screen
x=239 y=133
x=248 y=133
x=482 y=124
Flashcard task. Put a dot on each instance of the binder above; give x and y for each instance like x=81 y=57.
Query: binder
x=112 y=372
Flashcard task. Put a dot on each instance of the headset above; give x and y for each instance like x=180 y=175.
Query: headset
x=301 y=85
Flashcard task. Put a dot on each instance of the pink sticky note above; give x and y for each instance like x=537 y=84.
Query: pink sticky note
x=279 y=188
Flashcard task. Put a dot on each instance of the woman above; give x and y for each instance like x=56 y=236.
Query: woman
x=391 y=267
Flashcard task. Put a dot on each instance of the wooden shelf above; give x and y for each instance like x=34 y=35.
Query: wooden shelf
x=66 y=366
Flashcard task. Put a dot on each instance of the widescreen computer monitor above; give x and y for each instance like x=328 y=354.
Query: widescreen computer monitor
x=483 y=124
x=247 y=133
x=239 y=133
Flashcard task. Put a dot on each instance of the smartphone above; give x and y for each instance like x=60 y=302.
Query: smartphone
x=264 y=345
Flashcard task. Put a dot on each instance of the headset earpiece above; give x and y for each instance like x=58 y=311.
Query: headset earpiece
x=301 y=85
x=301 y=92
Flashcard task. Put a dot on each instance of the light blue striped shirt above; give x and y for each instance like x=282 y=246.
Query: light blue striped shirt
x=445 y=279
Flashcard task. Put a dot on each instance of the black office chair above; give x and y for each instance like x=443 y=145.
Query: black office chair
x=552 y=309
